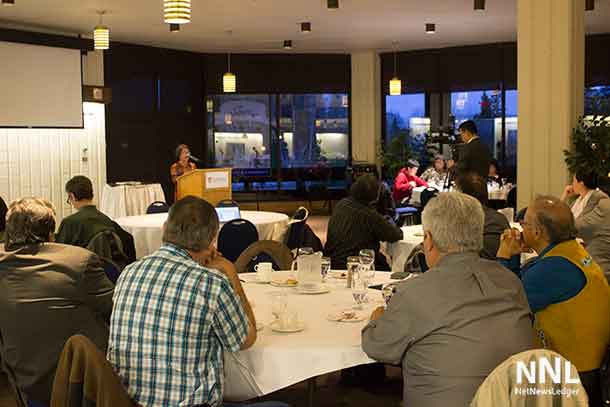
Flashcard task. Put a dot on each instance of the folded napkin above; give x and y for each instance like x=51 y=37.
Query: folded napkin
x=399 y=275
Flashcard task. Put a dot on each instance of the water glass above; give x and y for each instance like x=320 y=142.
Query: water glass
x=367 y=263
x=279 y=303
x=304 y=251
x=325 y=267
x=359 y=290
x=353 y=264
x=388 y=290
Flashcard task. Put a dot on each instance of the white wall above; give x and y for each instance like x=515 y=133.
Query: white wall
x=38 y=162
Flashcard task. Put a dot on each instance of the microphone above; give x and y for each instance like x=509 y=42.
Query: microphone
x=192 y=157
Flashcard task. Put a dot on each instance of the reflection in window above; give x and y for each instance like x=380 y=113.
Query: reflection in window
x=406 y=114
x=511 y=133
x=241 y=126
x=314 y=130
x=485 y=109
x=597 y=100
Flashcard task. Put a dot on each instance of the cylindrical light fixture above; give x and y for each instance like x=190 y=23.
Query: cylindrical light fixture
x=173 y=28
x=589 y=5
x=479 y=5
x=306 y=27
x=229 y=80
x=101 y=35
x=430 y=28
x=287 y=44
x=332 y=4
x=177 y=11
x=395 y=82
x=8 y=2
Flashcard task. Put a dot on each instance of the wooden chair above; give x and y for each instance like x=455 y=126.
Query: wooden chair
x=278 y=252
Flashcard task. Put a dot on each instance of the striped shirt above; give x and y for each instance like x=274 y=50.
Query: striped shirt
x=171 y=322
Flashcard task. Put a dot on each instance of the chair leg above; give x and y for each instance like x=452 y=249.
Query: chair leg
x=311 y=389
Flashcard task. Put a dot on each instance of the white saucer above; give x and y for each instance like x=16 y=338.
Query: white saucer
x=340 y=317
x=321 y=289
x=283 y=283
x=275 y=326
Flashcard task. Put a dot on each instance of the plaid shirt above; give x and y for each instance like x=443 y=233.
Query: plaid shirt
x=172 y=319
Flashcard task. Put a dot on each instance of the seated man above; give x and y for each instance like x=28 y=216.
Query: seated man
x=78 y=229
x=443 y=326
x=48 y=292
x=176 y=312
x=355 y=225
x=565 y=288
x=495 y=223
x=405 y=181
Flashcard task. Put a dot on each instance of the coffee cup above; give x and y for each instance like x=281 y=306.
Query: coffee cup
x=263 y=272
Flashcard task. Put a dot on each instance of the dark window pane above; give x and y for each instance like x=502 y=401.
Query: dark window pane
x=597 y=100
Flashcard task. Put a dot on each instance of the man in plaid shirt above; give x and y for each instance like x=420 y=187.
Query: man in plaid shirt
x=175 y=313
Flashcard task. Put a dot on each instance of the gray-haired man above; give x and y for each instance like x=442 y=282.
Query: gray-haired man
x=48 y=292
x=444 y=326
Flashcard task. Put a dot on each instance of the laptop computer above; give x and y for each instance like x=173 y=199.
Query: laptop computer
x=228 y=213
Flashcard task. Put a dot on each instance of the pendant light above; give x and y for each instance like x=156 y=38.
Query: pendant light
x=229 y=80
x=177 y=11
x=101 y=35
x=395 y=83
x=174 y=28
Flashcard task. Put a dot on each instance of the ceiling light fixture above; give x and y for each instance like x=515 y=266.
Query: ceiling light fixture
x=177 y=11
x=287 y=44
x=332 y=4
x=306 y=27
x=8 y=2
x=589 y=5
x=395 y=83
x=174 y=28
x=430 y=28
x=479 y=5
x=229 y=80
x=101 y=34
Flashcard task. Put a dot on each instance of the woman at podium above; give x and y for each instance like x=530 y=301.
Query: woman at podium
x=183 y=164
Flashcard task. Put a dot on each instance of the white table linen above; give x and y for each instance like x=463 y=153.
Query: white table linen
x=129 y=200
x=399 y=251
x=494 y=193
x=147 y=230
x=280 y=360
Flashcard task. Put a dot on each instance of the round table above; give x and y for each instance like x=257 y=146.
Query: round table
x=147 y=230
x=129 y=199
x=399 y=251
x=279 y=360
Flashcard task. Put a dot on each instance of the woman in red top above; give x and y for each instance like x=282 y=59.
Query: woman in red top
x=182 y=166
x=405 y=181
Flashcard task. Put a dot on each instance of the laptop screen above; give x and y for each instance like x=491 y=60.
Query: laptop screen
x=227 y=214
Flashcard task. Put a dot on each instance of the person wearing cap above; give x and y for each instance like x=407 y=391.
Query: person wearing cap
x=437 y=173
x=405 y=181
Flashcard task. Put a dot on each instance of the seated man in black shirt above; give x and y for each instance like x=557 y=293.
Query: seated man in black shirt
x=356 y=225
x=78 y=229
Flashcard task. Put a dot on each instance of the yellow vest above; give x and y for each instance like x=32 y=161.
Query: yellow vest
x=579 y=328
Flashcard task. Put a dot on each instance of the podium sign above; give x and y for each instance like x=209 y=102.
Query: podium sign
x=213 y=185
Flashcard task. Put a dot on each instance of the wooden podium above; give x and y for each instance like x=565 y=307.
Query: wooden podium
x=213 y=185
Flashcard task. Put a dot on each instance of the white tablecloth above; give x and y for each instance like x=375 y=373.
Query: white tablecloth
x=399 y=251
x=280 y=360
x=147 y=230
x=129 y=200
x=493 y=194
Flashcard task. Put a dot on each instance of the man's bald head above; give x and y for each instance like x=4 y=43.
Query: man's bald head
x=554 y=218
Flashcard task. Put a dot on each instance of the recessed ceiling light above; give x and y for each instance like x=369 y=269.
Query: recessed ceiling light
x=287 y=44
x=8 y=2
x=589 y=5
x=430 y=28
x=174 y=28
x=332 y=4
x=479 y=5
x=306 y=27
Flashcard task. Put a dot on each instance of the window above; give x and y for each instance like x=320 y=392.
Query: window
x=314 y=130
x=511 y=131
x=406 y=113
x=241 y=127
x=597 y=100
x=485 y=109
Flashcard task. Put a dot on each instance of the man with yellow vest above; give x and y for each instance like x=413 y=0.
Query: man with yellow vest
x=565 y=288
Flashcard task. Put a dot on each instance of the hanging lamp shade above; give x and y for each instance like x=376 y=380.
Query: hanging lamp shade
x=101 y=37
x=177 y=11
x=229 y=83
x=395 y=87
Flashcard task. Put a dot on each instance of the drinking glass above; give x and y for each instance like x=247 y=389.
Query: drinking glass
x=359 y=290
x=325 y=267
x=388 y=290
x=353 y=263
x=279 y=303
x=304 y=251
x=367 y=261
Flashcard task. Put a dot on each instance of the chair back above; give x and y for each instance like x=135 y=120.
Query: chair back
x=112 y=270
x=157 y=207
x=85 y=378
x=501 y=387
x=296 y=229
x=263 y=251
x=235 y=237
x=107 y=245
x=227 y=203
x=426 y=195
x=511 y=198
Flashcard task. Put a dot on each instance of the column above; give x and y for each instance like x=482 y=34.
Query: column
x=551 y=43
x=93 y=68
x=366 y=106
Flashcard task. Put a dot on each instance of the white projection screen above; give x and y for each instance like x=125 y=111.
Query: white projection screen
x=40 y=86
